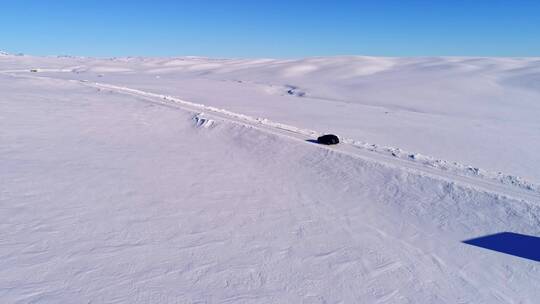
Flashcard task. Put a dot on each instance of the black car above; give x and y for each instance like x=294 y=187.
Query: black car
x=328 y=139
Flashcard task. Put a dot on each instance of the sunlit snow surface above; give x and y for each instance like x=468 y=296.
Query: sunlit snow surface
x=190 y=180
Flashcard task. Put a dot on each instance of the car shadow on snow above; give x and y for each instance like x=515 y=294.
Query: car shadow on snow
x=520 y=245
x=313 y=141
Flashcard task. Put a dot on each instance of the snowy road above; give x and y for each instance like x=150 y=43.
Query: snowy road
x=514 y=191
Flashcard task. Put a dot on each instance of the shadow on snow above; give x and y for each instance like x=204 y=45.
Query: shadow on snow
x=520 y=245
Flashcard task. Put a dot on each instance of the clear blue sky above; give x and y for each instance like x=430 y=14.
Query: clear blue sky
x=271 y=28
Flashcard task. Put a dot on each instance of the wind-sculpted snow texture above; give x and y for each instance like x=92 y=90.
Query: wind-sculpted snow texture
x=118 y=188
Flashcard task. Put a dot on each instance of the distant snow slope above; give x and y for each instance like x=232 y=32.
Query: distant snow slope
x=110 y=193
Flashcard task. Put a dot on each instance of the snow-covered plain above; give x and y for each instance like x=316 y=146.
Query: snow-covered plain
x=479 y=112
x=117 y=188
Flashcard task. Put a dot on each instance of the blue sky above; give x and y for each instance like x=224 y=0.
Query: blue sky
x=282 y=29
